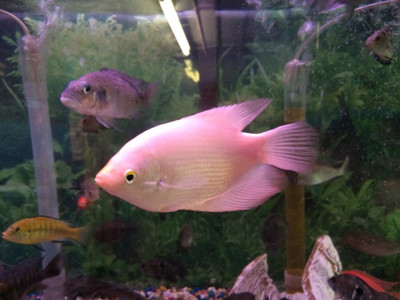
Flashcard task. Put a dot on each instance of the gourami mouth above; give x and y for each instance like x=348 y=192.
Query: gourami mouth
x=102 y=177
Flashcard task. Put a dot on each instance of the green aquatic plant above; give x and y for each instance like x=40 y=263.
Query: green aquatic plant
x=336 y=209
x=341 y=207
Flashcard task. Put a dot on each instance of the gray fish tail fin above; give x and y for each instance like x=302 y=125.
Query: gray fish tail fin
x=343 y=168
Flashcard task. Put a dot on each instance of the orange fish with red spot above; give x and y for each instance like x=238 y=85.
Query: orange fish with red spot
x=89 y=192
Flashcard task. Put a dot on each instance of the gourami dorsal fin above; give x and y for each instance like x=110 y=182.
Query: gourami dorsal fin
x=238 y=115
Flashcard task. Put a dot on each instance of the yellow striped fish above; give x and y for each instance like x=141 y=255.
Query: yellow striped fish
x=42 y=229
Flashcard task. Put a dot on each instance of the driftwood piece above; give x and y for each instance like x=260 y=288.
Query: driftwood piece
x=323 y=263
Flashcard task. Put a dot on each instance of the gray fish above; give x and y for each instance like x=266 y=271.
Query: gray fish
x=162 y=268
x=273 y=232
x=185 y=238
x=316 y=7
x=89 y=189
x=351 y=5
x=371 y=244
x=322 y=173
x=113 y=231
x=90 y=124
x=381 y=46
x=108 y=94
x=26 y=276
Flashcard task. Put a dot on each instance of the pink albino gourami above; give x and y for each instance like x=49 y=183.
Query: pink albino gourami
x=205 y=162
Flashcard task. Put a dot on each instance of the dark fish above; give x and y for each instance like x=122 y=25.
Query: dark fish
x=351 y=5
x=273 y=232
x=185 y=238
x=108 y=94
x=241 y=296
x=26 y=277
x=387 y=193
x=112 y=231
x=371 y=244
x=356 y=285
x=316 y=7
x=91 y=288
x=90 y=124
x=89 y=189
x=381 y=46
x=162 y=268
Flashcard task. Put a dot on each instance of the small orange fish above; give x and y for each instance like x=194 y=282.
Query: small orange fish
x=42 y=229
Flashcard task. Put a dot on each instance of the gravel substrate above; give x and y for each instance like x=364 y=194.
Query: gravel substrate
x=162 y=292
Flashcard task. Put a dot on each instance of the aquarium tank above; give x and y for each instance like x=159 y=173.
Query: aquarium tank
x=121 y=179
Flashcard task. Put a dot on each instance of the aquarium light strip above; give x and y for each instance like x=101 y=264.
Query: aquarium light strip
x=172 y=17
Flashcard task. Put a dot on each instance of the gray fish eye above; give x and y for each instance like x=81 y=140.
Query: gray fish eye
x=86 y=88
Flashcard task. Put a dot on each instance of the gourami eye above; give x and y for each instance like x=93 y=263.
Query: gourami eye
x=86 y=89
x=130 y=176
x=17 y=229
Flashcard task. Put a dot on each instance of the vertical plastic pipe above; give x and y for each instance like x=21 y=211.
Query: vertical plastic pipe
x=32 y=60
x=296 y=79
x=208 y=58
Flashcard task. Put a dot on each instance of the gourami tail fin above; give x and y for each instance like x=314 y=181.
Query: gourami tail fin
x=291 y=147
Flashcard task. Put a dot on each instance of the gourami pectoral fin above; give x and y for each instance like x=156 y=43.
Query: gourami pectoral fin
x=250 y=190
